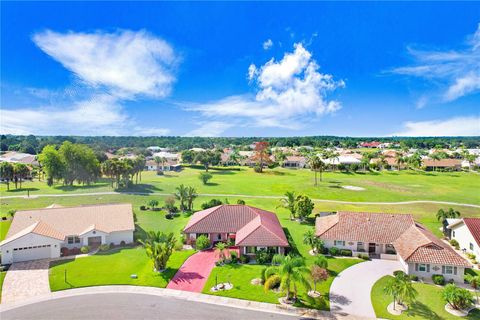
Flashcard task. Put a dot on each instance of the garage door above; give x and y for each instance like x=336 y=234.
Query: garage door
x=31 y=253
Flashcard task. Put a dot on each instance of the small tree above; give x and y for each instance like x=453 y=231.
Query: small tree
x=159 y=247
x=318 y=274
x=310 y=239
x=205 y=177
x=221 y=248
x=289 y=203
x=457 y=298
x=321 y=261
x=153 y=203
x=474 y=281
x=202 y=242
x=303 y=206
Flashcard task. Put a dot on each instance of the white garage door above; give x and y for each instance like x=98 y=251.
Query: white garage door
x=31 y=253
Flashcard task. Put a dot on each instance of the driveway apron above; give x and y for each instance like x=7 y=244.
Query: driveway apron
x=350 y=290
x=25 y=280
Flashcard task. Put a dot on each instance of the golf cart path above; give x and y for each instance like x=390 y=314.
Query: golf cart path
x=239 y=195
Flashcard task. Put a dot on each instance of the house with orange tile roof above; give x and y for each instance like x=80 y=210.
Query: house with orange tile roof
x=394 y=237
x=249 y=228
x=42 y=233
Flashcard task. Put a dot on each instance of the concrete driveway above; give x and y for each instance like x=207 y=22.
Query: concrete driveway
x=26 y=280
x=350 y=290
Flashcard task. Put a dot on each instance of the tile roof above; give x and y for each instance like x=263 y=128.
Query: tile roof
x=473 y=225
x=253 y=226
x=75 y=220
x=411 y=240
x=363 y=226
x=39 y=228
x=442 y=163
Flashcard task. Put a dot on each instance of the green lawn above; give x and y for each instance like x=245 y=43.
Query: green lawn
x=429 y=304
x=4 y=225
x=2 y=277
x=383 y=186
x=113 y=267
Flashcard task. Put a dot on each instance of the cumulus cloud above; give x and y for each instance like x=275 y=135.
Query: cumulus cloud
x=110 y=68
x=459 y=126
x=286 y=91
x=209 y=129
x=455 y=72
x=267 y=44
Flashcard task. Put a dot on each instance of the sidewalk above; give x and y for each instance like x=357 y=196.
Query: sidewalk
x=191 y=296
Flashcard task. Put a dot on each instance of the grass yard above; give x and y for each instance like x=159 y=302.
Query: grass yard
x=429 y=304
x=2 y=277
x=113 y=268
x=379 y=187
x=4 y=225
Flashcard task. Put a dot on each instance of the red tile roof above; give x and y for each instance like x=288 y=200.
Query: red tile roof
x=442 y=163
x=411 y=240
x=473 y=225
x=253 y=226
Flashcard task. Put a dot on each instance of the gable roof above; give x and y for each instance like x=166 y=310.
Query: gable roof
x=473 y=224
x=253 y=226
x=411 y=240
x=442 y=163
x=39 y=228
x=69 y=221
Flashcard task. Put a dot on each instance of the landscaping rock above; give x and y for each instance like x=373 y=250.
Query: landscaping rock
x=256 y=282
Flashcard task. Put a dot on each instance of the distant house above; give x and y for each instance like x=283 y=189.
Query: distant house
x=295 y=162
x=373 y=144
x=249 y=228
x=169 y=165
x=342 y=159
x=19 y=157
x=392 y=236
x=41 y=233
x=452 y=164
x=467 y=232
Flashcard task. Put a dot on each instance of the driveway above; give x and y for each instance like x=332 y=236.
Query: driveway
x=26 y=280
x=350 y=290
x=194 y=272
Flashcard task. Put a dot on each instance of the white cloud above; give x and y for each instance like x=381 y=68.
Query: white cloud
x=209 y=129
x=126 y=63
x=110 y=69
x=459 y=126
x=455 y=72
x=267 y=44
x=287 y=91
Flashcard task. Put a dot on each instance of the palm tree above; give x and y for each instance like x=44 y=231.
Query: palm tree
x=316 y=165
x=474 y=281
x=401 y=289
x=292 y=271
x=310 y=239
x=159 y=247
x=181 y=195
x=436 y=156
x=289 y=203
x=158 y=160
x=191 y=196
x=163 y=160
x=221 y=247
x=399 y=159
x=442 y=215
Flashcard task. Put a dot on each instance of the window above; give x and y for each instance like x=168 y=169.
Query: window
x=77 y=240
x=422 y=267
x=339 y=243
x=219 y=236
x=70 y=240
x=453 y=233
x=448 y=270
x=471 y=246
x=251 y=249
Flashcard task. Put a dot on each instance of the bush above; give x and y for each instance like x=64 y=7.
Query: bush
x=257 y=169
x=262 y=274
x=122 y=243
x=85 y=249
x=211 y=203
x=455 y=244
x=413 y=277
x=334 y=251
x=263 y=256
x=438 y=279
x=399 y=273
x=202 y=242
x=244 y=259
x=234 y=256
x=240 y=201
x=456 y=297
x=272 y=283
x=104 y=247
x=364 y=256
x=143 y=208
x=471 y=256
x=346 y=252
x=205 y=177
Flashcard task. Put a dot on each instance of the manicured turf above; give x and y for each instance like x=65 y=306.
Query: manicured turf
x=4 y=225
x=429 y=304
x=2 y=277
x=380 y=187
x=114 y=267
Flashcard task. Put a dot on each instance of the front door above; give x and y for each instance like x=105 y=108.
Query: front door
x=94 y=241
x=371 y=248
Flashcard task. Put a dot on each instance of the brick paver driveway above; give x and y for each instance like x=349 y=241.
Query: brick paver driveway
x=25 y=280
x=194 y=272
x=350 y=290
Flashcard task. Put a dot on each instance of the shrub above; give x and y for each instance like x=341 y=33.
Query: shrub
x=104 y=247
x=12 y=212
x=244 y=259
x=457 y=298
x=191 y=242
x=364 y=256
x=334 y=251
x=263 y=256
x=85 y=249
x=346 y=252
x=234 y=256
x=413 y=277
x=205 y=177
x=438 y=279
x=455 y=244
x=399 y=273
x=202 y=242
x=257 y=169
x=471 y=256
x=211 y=203
x=272 y=283
x=143 y=208
x=262 y=274
x=240 y=201
x=122 y=243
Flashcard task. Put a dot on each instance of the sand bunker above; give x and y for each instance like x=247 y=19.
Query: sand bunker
x=353 y=188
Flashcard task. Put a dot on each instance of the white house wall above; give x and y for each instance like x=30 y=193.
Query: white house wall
x=464 y=238
x=118 y=236
x=436 y=269
x=30 y=240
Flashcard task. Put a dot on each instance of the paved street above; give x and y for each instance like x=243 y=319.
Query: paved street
x=131 y=306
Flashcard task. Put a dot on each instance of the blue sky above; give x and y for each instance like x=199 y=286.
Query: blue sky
x=240 y=69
